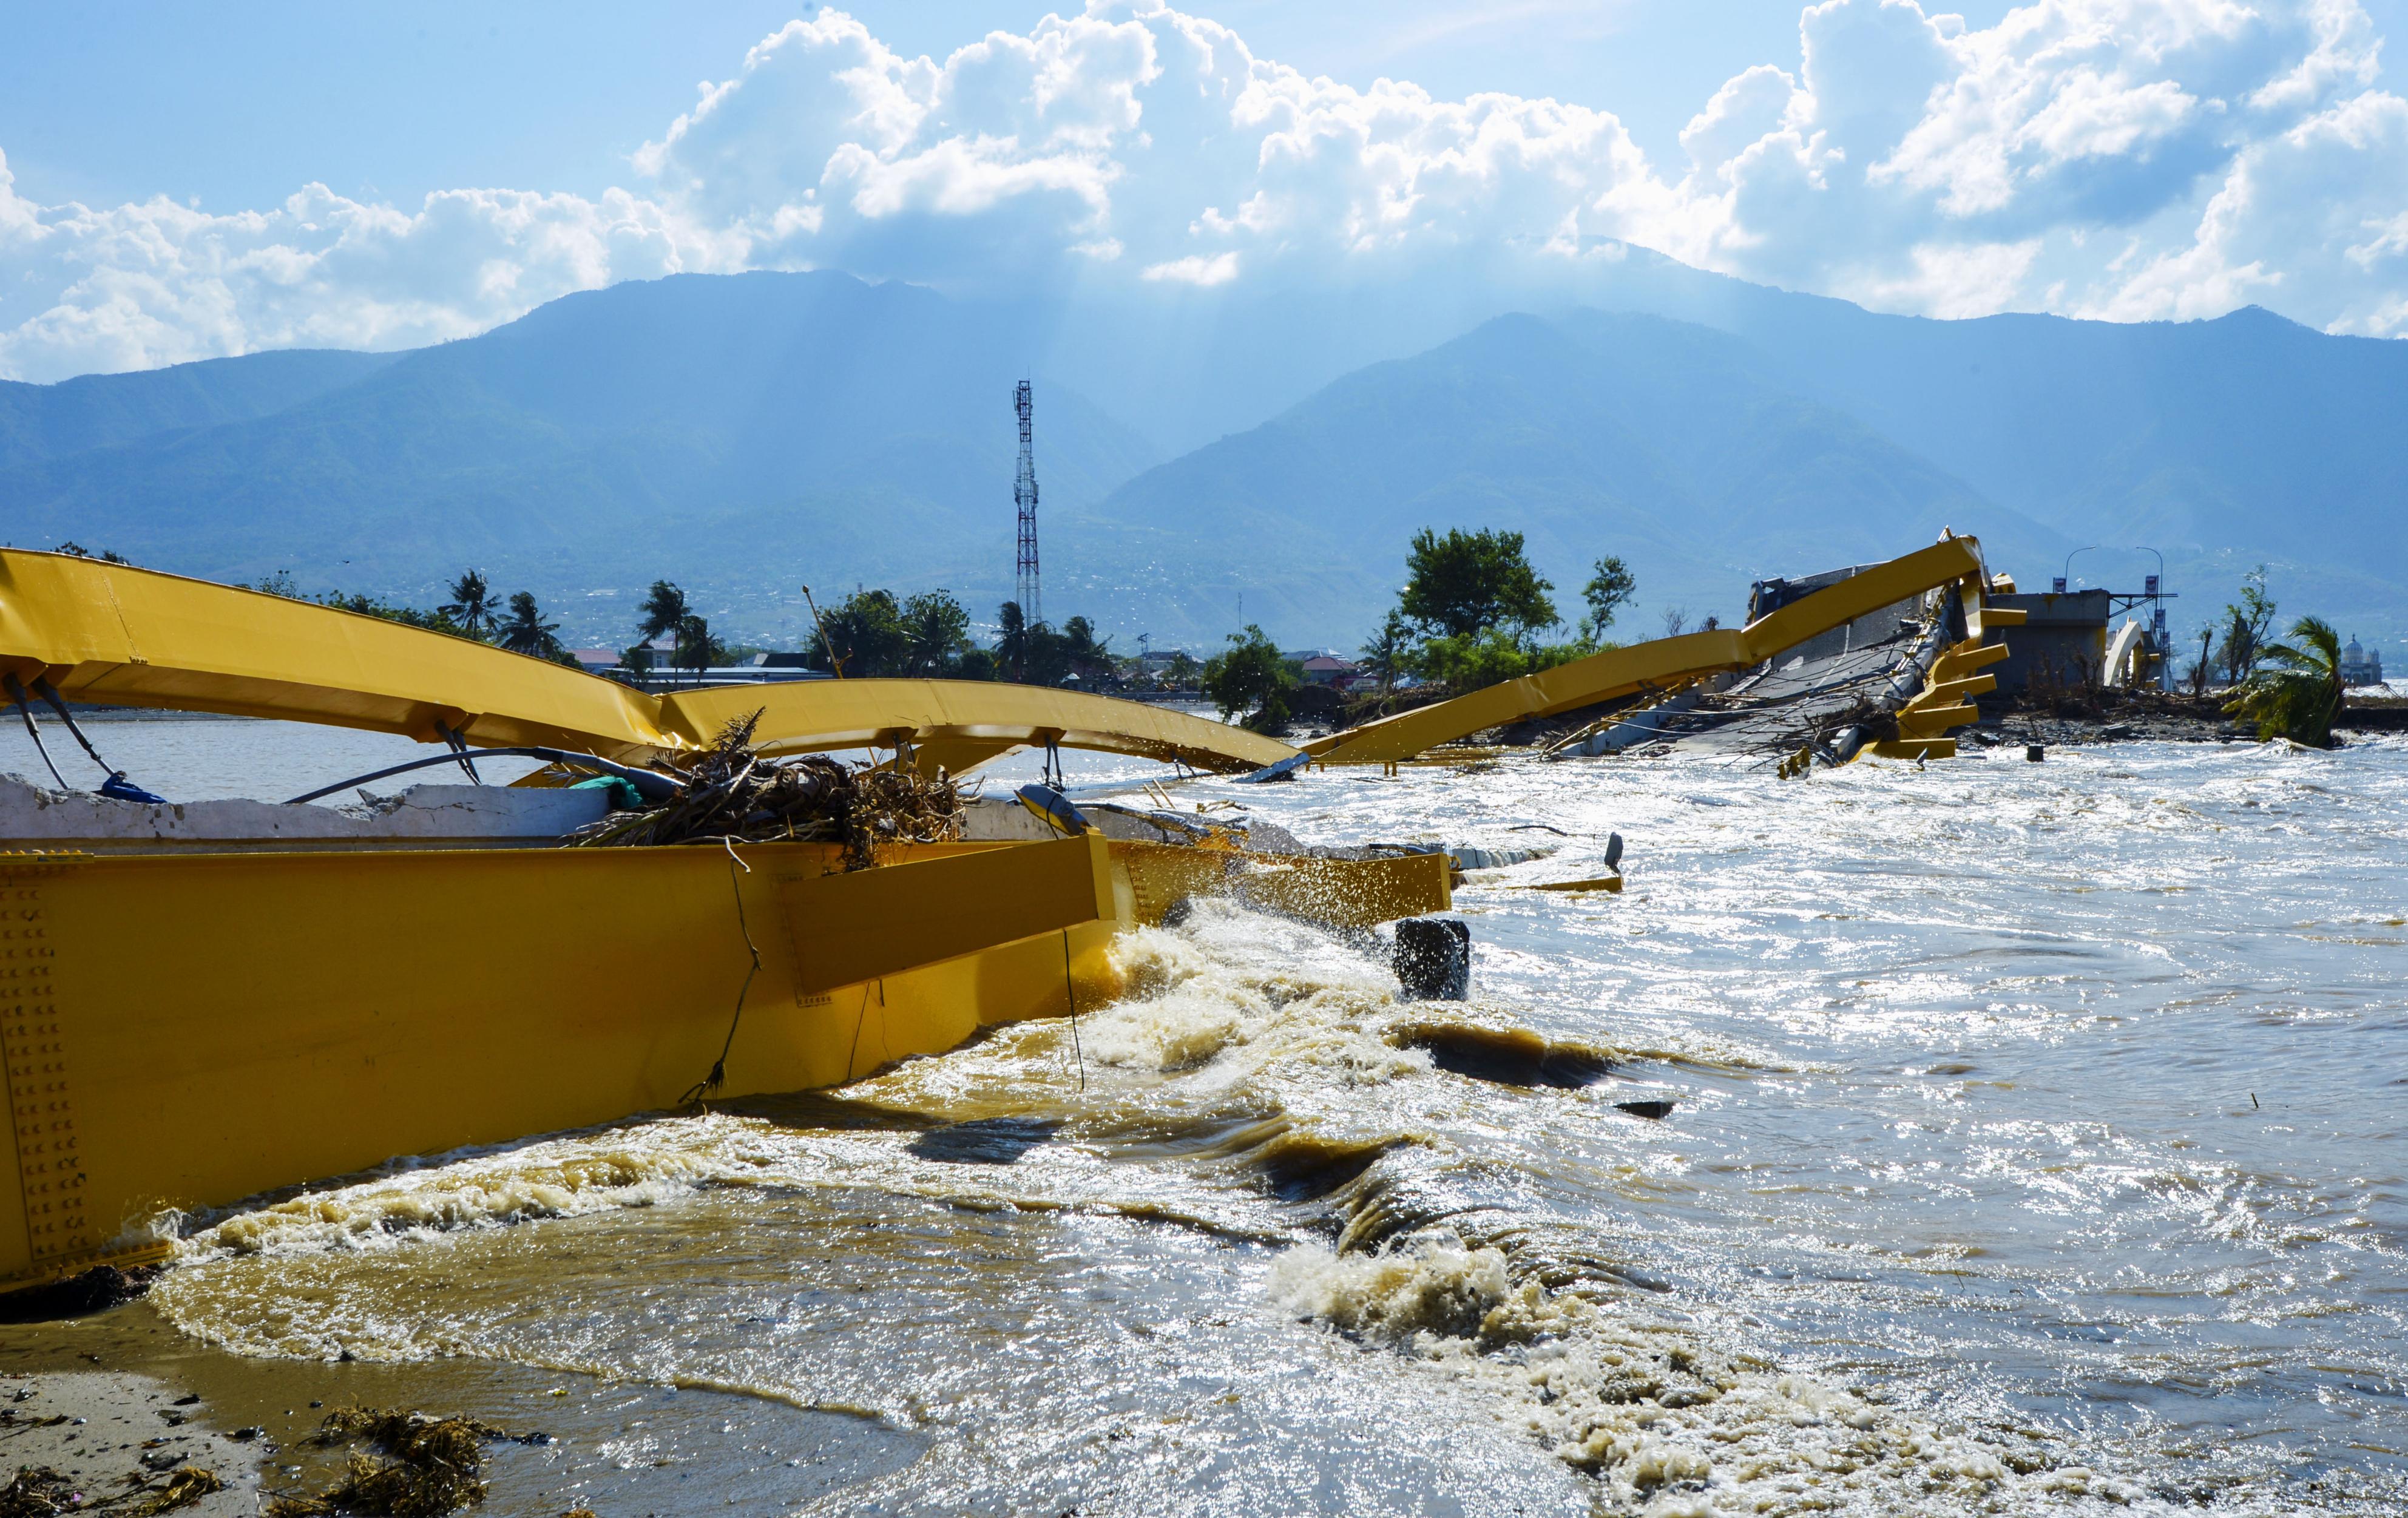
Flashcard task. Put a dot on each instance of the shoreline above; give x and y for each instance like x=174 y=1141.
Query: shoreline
x=578 y=1442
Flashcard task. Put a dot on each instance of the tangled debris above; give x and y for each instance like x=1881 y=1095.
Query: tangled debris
x=186 y=1486
x=434 y=1470
x=97 y=1289
x=40 y=1492
x=731 y=791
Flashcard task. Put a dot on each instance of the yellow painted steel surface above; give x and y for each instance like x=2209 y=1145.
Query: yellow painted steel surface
x=849 y=930
x=1657 y=665
x=814 y=715
x=187 y=1030
x=1911 y=748
x=116 y=636
x=184 y=1030
x=1965 y=658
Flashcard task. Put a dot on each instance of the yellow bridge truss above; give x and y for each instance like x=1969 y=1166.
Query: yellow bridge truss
x=115 y=636
x=1665 y=662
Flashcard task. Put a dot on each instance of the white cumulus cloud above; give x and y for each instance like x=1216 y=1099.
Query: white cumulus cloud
x=2123 y=158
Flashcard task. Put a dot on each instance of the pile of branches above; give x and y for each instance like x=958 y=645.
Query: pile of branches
x=730 y=792
x=434 y=1470
x=40 y=1492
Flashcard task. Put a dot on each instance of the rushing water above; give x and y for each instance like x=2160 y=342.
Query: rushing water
x=2037 y=1147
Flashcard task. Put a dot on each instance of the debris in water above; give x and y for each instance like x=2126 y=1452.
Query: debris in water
x=1658 y=1108
x=731 y=791
x=101 y=1287
x=432 y=1472
x=1433 y=959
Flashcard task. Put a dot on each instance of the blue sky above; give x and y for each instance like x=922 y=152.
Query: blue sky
x=182 y=181
x=238 y=106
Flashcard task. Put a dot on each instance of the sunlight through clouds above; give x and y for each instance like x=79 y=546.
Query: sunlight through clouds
x=2129 y=158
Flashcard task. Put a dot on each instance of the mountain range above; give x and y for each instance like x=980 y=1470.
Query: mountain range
x=746 y=434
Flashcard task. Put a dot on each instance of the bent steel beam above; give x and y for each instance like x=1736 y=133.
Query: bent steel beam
x=1628 y=671
x=962 y=718
x=116 y=636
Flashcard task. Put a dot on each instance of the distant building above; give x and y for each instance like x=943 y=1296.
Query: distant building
x=1329 y=669
x=594 y=661
x=2359 y=666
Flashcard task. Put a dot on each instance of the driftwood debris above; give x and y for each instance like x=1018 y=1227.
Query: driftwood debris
x=730 y=791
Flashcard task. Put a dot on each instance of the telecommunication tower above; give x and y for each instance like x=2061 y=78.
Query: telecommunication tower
x=1023 y=495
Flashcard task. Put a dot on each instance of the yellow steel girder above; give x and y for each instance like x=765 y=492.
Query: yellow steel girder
x=1659 y=664
x=961 y=717
x=116 y=636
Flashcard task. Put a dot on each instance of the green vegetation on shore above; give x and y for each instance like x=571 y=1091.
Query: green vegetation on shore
x=1473 y=611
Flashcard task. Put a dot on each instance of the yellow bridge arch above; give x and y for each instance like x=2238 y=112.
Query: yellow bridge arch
x=116 y=636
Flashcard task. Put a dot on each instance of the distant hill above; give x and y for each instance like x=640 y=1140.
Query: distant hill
x=105 y=411
x=743 y=433
x=1683 y=450
x=2220 y=443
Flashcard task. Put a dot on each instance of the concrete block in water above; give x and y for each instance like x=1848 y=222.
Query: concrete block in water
x=1433 y=958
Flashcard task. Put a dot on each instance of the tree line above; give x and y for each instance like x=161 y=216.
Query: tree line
x=876 y=634
x=1473 y=611
x=475 y=611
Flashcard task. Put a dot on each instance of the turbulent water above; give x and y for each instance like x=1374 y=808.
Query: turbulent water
x=2037 y=1146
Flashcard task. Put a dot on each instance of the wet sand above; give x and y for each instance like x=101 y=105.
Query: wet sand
x=611 y=1447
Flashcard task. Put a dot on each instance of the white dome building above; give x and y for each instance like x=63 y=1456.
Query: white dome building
x=2359 y=668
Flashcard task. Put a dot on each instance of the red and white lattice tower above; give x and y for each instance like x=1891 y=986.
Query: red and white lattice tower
x=1023 y=495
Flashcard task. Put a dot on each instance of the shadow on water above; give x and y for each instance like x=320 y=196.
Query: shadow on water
x=1504 y=1056
x=987 y=1140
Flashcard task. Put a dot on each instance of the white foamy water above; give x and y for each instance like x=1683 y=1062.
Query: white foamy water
x=2037 y=1148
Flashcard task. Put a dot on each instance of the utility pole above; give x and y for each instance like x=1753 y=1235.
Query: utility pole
x=1024 y=496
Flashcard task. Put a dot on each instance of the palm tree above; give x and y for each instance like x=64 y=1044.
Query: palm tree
x=473 y=604
x=696 y=650
x=1386 y=654
x=2296 y=691
x=664 y=612
x=1012 y=638
x=527 y=631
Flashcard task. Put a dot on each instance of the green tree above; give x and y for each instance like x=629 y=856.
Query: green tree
x=1048 y=659
x=525 y=631
x=1476 y=662
x=2296 y=690
x=2247 y=625
x=1183 y=670
x=1087 y=654
x=1607 y=592
x=1249 y=677
x=75 y=550
x=936 y=631
x=473 y=605
x=1465 y=583
x=696 y=650
x=1390 y=650
x=868 y=634
x=1011 y=639
x=663 y=613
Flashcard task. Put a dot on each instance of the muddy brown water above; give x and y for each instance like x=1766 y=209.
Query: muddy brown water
x=2037 y=1147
